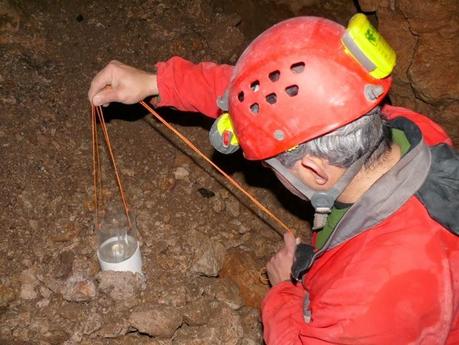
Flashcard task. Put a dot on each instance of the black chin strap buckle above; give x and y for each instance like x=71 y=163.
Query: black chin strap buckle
x=304 y=257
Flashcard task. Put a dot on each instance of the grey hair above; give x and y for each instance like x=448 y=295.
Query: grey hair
x=345 y=145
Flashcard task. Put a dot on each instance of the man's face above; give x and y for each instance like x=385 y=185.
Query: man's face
x=286 y=183
x=316 y=173
x=291 y=160
x=289 y=186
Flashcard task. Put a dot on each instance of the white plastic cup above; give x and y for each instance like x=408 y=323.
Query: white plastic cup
x=133 y=263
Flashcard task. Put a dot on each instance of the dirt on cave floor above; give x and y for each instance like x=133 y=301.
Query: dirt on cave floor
x=202 y=243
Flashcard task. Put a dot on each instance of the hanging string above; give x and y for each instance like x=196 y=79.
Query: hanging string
x=95 y=164
x=98 y=193
x=229 y=178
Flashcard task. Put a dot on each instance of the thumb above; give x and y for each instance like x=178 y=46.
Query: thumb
x=290 y=242
x=105 y=96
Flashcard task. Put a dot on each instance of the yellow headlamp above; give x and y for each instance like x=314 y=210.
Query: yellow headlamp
x=368 y=47
x=222 y=135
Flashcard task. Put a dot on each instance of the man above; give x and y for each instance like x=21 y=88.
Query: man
x=305 y=100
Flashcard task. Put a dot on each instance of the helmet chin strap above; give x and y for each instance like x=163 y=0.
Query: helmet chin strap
x=322 y=201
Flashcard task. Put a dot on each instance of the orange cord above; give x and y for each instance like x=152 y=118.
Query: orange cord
x=229 y=178
x=96 y=164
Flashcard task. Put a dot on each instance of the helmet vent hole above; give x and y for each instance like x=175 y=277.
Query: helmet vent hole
x=271 y=98
x=240 y=96
x=297 y=67
x=292 y=90
x=255 y=108
x=274 y=76
x=255 y=86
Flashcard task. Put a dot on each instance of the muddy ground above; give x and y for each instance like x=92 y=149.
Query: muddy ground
x=203 y=244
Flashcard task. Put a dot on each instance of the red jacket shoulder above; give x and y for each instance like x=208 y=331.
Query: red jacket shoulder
x=432 y=132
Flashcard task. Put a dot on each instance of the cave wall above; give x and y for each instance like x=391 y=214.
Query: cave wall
x=424 y=35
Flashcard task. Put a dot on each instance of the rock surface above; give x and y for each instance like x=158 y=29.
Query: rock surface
x=156 y=320
x=7 y=295
x=29 y=282
x=421 y=33
x=209 y=257
x=120 y=285
x=79 y=289
x=241 y=268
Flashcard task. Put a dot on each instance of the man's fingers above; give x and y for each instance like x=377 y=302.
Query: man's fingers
x=290 y=241
x=105 y=96
x=279 y=266
x=103 y=79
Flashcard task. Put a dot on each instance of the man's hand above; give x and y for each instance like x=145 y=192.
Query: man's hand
x=118 y=82
x=280 y=265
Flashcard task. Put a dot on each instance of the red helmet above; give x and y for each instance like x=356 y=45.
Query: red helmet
x=296 y=82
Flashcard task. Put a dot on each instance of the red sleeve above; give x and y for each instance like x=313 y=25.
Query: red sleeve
x=432 y=132
x=282 y=314
x=192 y=87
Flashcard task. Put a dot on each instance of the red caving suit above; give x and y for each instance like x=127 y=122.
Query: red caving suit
x=391 y=273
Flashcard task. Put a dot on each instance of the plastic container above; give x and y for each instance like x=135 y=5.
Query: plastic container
x=118 y=247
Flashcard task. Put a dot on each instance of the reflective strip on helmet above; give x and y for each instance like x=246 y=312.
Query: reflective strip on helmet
x=354 y=49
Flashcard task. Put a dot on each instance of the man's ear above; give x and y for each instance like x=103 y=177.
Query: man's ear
x=317 y=167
